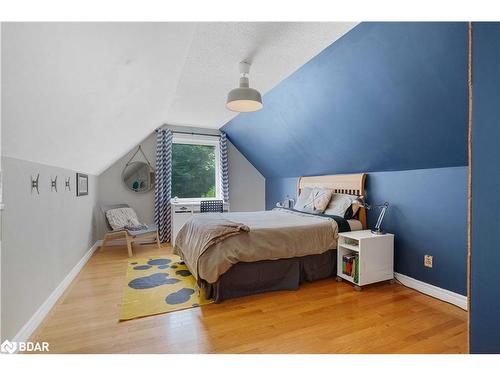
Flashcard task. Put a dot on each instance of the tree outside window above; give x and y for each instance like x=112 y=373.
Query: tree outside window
x=193 y=171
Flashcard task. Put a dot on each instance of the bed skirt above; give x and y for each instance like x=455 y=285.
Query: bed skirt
x=244 y=279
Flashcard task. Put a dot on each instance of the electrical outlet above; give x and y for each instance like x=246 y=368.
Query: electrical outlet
x=428 y=261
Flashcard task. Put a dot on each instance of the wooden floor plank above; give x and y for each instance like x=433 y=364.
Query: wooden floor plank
x=321 y=317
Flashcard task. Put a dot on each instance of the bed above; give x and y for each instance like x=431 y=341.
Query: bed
x=267 y=251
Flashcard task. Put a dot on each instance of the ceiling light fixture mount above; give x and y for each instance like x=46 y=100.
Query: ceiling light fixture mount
x=244 y=98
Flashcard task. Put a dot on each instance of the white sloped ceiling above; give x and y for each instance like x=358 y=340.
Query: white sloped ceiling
x=80 y=95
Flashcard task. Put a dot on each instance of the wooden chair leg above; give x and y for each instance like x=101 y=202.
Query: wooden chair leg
x=129 y=245
x=158 y=240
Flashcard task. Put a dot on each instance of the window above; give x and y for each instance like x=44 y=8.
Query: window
x=195 y=167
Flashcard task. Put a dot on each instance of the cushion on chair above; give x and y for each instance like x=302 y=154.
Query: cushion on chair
x=148 y=230
x=119 y=218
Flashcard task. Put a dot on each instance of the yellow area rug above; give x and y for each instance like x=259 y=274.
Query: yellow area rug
x=159 y=285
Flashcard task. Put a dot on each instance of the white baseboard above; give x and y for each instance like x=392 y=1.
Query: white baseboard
x=433 y=291
x=25 y=333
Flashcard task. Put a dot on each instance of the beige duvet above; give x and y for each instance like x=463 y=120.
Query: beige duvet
x=272 y=235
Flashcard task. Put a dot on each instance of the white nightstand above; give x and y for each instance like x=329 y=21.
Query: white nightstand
x=374 y=254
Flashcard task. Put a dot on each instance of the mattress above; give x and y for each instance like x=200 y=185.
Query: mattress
x=273 y=235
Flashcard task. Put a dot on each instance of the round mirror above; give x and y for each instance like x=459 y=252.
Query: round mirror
x=138 y=176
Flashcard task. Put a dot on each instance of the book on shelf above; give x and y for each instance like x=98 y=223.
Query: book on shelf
x=350 y=266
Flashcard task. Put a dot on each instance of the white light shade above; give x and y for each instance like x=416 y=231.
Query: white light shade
x=244 y=98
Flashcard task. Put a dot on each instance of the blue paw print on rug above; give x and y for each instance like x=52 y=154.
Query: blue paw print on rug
x=180 y=296
x=141 y=268
x=152 y=281
x=158 y=262
x=183 y=273
x=161 y=263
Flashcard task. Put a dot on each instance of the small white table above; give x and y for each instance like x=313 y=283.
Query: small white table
x=375 y=256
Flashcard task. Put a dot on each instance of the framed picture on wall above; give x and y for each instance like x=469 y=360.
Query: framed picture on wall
x=82 y=184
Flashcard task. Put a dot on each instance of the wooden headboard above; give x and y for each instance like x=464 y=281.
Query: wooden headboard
x=353 y=184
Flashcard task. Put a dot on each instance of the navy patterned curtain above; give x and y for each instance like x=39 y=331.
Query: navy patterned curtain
x=224 y=166
x=163 y=183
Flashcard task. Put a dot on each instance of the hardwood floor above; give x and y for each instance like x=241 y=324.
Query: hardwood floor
x=321 y=317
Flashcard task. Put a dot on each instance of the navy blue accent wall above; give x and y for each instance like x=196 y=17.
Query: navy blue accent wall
x=278 y=188
x=428 y=211
x=425 y=220
x=485 y=263
x=386 y=96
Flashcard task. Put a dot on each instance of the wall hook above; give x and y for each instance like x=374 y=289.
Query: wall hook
x=67 y=186
x=53 y=184
x=34 y=183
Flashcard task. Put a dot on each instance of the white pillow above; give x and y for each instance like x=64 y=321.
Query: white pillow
x=119 y=218
x=302 y=198
x=313 y=200
x=340 y=203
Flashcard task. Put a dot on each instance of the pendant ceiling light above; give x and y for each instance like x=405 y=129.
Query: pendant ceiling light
x=244 y=98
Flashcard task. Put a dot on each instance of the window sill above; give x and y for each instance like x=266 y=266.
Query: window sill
x=194 y=201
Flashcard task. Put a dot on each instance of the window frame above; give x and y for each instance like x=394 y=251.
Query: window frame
x=203 y=140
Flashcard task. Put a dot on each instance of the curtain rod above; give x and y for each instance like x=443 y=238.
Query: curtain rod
x=192 y=133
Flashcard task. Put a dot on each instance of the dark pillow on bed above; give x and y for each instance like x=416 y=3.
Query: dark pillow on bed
x=349 y=213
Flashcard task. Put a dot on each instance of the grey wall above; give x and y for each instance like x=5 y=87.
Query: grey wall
x=247 y=187
x=44 y=237
x=246 y=184
x=112 y=190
